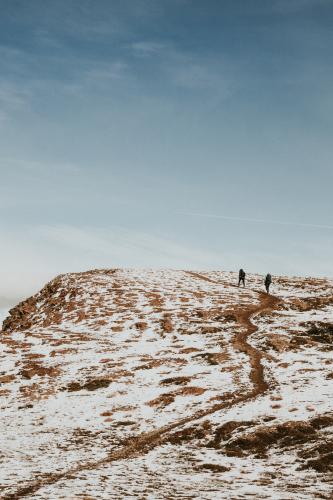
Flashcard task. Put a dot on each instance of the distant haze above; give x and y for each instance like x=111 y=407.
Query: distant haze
x=165 y=133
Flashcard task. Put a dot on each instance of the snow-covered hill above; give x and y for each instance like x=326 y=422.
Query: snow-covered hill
x=168 y=384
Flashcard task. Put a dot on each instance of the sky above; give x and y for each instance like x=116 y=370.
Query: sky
x=164 y=133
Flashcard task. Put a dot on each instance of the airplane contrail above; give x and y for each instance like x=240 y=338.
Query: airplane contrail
x=260 y=221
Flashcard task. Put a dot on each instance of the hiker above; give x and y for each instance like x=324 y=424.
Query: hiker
x=241 y=277
x=268 y=281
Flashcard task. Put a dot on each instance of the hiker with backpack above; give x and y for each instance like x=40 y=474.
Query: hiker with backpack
x=241 y=277
x=268 y=281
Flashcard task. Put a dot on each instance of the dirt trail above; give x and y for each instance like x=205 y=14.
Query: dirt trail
x=267 y=303
x=143 y=443
x=201 y=277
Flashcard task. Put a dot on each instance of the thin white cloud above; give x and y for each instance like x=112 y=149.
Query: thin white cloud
x=191 y=74
x=259 y=221
x=144 y=48
x=31 y=256
x=104 y=72
x=123 y=247
x=13 y=97
x=184 y=70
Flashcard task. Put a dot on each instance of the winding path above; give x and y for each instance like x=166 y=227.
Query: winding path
x=144 y=442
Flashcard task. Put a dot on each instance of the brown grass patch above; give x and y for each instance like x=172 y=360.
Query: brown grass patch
x=91 y=385
x=98 y=383
x=160 y=362
x=155 y=300
x=166 y=324
x=31 y=369
x=175 y=381
x=162 y=400
x=61 y=352
x=321 y=332
x=204 y=314
x=101 y=322
x=190 y=433
x=209 y=329
x=213 y=468
x=223 y=397
x=279 y=343
x=189 y=350
x=141 y=325
x=310 y=303
x=6 y=379
x=34 y=355
x=36 y=392
x=276 y=398
x=191 y=391
x=81 y=316
x=260 y=441
x=151 y=364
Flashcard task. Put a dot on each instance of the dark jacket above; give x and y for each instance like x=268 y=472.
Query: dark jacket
x=268 y=279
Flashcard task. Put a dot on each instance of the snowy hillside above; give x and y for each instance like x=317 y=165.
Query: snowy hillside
x=168 y=384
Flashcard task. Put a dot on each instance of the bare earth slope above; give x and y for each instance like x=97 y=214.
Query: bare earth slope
x=168 y=384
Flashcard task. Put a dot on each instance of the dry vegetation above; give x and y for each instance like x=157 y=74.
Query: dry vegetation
x=168 y=384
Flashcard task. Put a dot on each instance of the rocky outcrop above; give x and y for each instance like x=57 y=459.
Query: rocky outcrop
x=59 y=297
x=23 y=316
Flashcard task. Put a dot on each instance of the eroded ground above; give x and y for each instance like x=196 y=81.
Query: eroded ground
x=168 y=384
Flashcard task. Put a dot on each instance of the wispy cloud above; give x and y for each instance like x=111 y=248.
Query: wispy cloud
x=28 y=183
x=122 y=247
x=33 y=255
x=186 y=70
x=105 y=72
x=13 y=97
x=191 y=74
x=257 y=221
x=147 y=48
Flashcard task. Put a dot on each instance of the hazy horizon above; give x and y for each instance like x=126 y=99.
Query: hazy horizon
x=174 y=133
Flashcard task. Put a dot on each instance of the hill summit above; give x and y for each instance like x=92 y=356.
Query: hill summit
x=168 y=384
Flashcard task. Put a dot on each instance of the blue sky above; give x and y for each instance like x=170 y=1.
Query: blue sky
x=165 y=133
